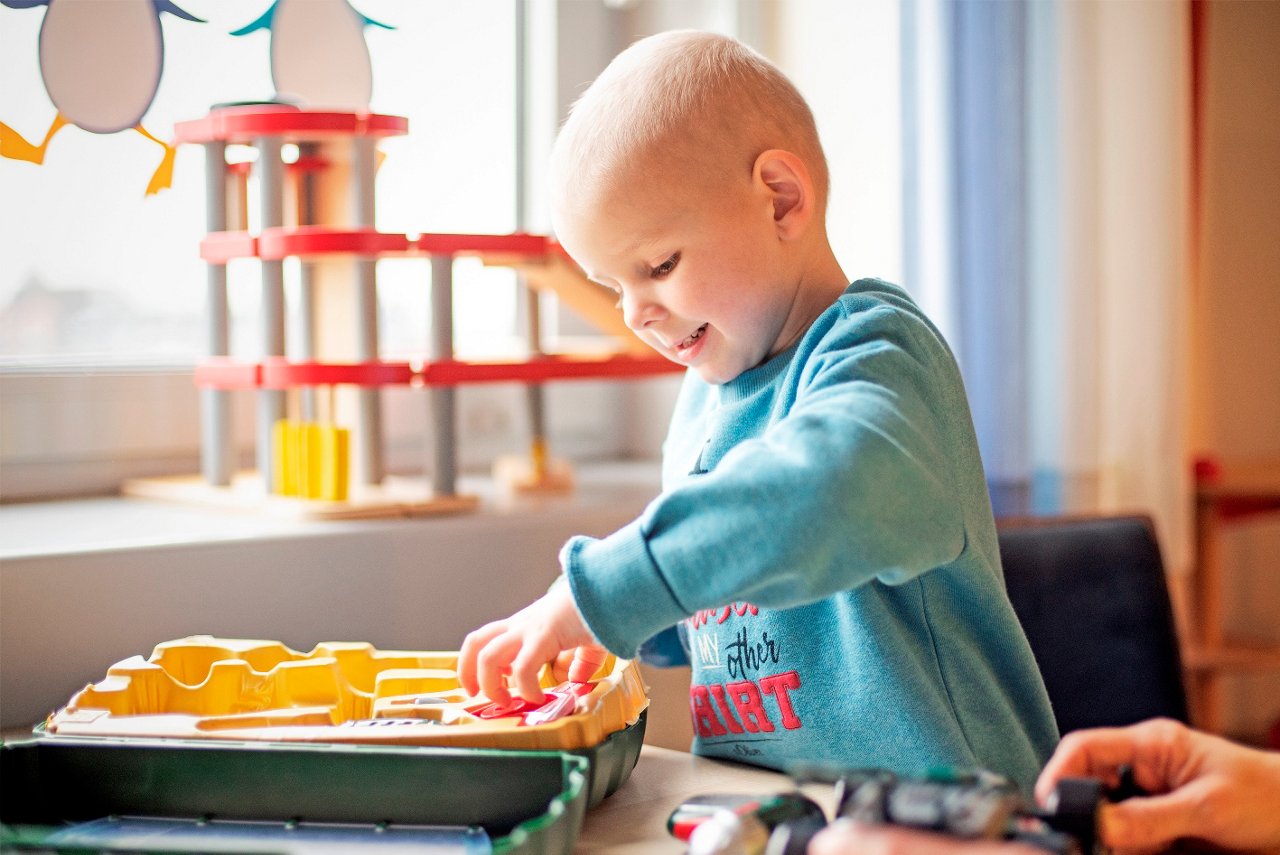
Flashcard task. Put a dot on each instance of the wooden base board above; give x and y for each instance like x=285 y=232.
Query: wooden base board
x=395 y=497
x=513 y=475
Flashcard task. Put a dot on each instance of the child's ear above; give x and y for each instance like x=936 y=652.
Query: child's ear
x=790 y=189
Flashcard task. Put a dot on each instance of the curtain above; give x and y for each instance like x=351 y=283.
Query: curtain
x=1047 y=164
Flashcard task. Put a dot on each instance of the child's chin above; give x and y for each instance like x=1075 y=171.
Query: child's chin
x=713 y=376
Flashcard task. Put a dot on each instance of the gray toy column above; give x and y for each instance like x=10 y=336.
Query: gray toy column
x=539 y=452
x=271 y=407
x=216 y=462
x=304 y=342
x=368 y=438
x=443 y=398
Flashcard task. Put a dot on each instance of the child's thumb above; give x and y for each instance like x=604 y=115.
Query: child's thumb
x=1152 y=822
x=586 y=661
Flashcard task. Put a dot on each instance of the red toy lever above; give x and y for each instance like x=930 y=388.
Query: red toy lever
x=560 y=701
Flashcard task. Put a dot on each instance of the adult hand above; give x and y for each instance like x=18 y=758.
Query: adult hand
x=846 y=837
x=1202 y=787
x=519 y=646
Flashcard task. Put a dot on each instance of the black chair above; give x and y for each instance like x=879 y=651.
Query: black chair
x=1092 y=597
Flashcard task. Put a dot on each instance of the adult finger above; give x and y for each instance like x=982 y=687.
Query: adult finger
x=471 y=647
x=1149 y=823
x=1092 y=753
x=1150 y=747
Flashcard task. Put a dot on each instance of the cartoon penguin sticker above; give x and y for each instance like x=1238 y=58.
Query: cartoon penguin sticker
x=319 y=58
x=101 y=66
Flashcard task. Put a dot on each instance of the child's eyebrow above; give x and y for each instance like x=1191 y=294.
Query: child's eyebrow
x=648 y=246
x=642 y=248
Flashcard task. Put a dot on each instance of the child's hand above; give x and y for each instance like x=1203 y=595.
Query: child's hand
x=580 y=664
x=520 y=645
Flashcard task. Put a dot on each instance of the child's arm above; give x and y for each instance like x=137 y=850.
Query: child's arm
x=856 y=483
x=665 y=650
x=520 y=645
x=868 y=476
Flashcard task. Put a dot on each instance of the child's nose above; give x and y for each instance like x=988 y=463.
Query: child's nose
x=639 y=310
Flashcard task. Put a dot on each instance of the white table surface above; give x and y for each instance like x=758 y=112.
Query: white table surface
x=634 y=819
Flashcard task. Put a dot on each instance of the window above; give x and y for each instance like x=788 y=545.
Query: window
x=95 y=272
x=101 y=288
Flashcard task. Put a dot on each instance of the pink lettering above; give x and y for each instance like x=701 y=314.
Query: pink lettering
x=717 y=692
x=779 y=685
x=746 y=698
x=704 y=616
x=741 y=705
x=704 y=716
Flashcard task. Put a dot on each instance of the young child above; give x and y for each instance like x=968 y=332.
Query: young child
x=824 y=539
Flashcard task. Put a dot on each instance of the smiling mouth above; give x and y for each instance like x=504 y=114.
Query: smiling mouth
x=689 y=342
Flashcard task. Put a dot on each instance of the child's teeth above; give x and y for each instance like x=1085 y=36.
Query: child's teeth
x=697 y=334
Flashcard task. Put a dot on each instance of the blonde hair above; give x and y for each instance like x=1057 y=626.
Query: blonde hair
x=686 y=93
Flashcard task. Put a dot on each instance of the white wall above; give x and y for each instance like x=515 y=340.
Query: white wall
x=846 y=60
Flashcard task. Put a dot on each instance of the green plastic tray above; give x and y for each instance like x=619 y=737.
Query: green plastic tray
x=526 y=801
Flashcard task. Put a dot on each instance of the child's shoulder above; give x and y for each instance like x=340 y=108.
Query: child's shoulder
x=875 y=328
x=869 y=293
x=876 y=309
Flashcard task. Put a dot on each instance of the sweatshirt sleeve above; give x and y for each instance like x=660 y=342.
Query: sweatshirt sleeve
x=854 y=483
x=665 y=650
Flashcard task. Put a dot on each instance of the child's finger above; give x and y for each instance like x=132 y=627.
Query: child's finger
x=561 y=664
x=493 y=663
x=586 y=662
x=525 y=668
x=471 y=647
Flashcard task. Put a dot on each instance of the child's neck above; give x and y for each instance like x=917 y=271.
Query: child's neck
x=821 y=280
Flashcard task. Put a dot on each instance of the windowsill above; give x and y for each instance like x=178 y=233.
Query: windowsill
x=116 y=523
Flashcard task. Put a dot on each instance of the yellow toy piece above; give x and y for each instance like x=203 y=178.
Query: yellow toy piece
x=203 y=687
x=285 y=456
x=312 y=461
x=334 y=451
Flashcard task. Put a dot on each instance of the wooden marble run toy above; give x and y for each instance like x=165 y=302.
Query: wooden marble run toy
x=320 y=210
x=203 y=687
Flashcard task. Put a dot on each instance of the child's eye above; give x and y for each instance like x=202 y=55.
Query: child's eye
x=664 y=269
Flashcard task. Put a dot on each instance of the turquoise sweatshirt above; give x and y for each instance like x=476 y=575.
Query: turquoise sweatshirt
x=824 y=541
